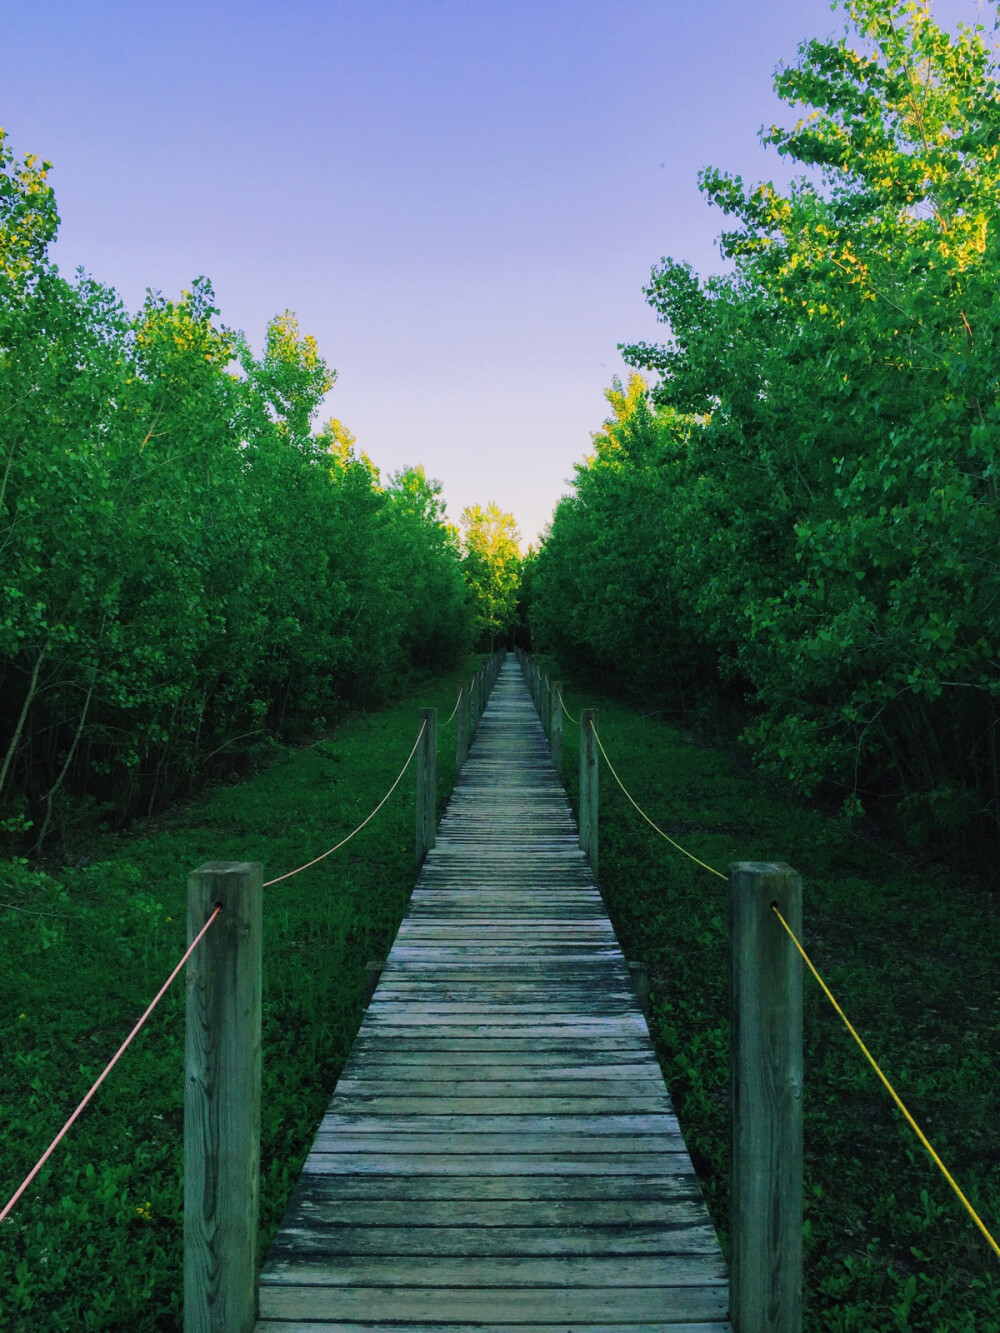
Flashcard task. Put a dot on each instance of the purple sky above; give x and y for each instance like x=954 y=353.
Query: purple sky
x=461 y=199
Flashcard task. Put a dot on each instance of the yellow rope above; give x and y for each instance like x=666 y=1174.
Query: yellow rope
x=461 y=692
x=343 y=841
x=574 y=720
x=646 y=817
x=892 y=1091
x=829 y=995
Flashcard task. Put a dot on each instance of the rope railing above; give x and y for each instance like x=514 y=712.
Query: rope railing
x=12 y=1201
x=454 y=711
x=343 y=842
x=889 y=1088
x=85 y=1101
x=569 y=715
x=666 y=836
x=829 y=995
x=222 y=1049
x=922 y=1137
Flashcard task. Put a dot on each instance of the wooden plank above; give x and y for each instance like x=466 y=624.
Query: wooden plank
x=629 y=1271
x=316 y=1205
x=569 y=1184
x=539 y=1086
x=576 y=1326
x=450 y=1066
x=384 y=1145
x=443 y=1305
x=623 y=1126
x=462 y=1241
x=484 y=1165
x=388 y=1103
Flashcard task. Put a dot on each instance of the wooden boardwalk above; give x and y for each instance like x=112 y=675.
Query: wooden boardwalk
x=501 y=1151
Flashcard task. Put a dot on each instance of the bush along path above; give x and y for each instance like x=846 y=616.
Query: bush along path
x=912 y=957
x=95 y=1243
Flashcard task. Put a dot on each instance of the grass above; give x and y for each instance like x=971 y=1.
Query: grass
x=913 y=959
x=95 y=1244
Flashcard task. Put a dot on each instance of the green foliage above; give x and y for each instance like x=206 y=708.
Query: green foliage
x=887 y=1245
x=96 y=1242
x=186 y=567
x=491 y=563
x=812 y=523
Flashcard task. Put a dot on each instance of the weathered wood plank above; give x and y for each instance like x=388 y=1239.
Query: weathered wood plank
x=485 y=1165
x=390 y=1104
x=620 y=1125
x=315 y=1204
x=509 y=1241
x=444 y=1305
x=629 y=1271
x=591 y=1089
x=398 y=1184
x=575 y=1326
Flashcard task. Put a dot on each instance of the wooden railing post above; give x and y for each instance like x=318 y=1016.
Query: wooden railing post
x=222 y=1100
x=546 y=709
x=473 y=704
x=373 y=972
x=766 y=1055
x=462 y=729
x=426 y=785
x=556 y=738
x=588 y=785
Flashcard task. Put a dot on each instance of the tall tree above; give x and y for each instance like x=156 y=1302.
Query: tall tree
x=828 y=482
x=491 y=564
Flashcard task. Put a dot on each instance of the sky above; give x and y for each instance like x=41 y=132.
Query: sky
x=460 y=199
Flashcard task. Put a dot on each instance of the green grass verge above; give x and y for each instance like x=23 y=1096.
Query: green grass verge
x=913 y=959
x=95 y=1244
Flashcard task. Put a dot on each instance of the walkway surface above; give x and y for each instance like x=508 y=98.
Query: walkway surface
x=501 y=1151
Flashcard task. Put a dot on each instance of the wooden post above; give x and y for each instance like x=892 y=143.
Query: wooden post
x=474 y=704
x=766 y=1055
x=556 y=739
x=546 y=709
x=462 y=729
x=588 y=786
x=373 y=970
x=426 y=785
x=222 y=1100
x=640 y=984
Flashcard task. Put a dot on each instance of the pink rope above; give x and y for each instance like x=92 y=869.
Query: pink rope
x=107 y=1070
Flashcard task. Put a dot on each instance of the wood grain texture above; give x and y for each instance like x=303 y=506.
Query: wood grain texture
x=222 y=1069
x=766 y=1054
x=501 y=1151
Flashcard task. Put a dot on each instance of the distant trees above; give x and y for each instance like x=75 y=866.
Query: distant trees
x=185 y=566
x=491 y=563
x=809 y=503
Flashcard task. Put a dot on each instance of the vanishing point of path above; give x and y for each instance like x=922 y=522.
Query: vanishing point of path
x=501 y=1151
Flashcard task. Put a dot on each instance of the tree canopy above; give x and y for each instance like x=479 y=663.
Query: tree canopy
x=188 y=566
x=491 y=562
x=806 y=509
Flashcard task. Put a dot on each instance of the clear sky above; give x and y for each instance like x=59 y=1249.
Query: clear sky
x=461 y=199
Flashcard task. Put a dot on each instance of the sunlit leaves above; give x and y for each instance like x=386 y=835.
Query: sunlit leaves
x=832 y=513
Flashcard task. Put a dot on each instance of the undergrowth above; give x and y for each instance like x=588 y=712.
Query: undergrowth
x=96 y=1242
x=913 y=958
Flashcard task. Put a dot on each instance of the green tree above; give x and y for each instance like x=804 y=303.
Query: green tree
x=826 y=421
x=186 y=562
x=491 y=564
